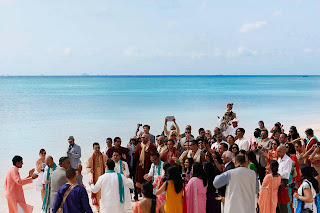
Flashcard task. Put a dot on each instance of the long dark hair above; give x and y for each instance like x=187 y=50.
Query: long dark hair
x=211 y=172
x=199 y=172
x=175 y=176
x=274 y=165
x=291 y=150
x=252 y=157
x=236 y=145
x=307 y=173
x=147 y=190
x=295 y=134
x=191 y=161
x=166 y=166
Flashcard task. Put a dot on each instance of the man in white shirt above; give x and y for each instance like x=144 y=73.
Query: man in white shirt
x=241 y=141
x=231 y=130
x=156 y=168
x=112 y=187
x=218 y=137
x=285 y=167
x=120 y=165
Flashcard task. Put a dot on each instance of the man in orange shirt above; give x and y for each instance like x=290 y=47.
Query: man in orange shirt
x=13 y=186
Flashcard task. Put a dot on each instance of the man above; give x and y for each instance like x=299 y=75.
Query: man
x=51 y=166
x=78 y=201
x=161 y=146
x=310 y=136
x=187 y=129
x=174 y=127
x=156 y=168
x=223 y=147
x=202 y=132
x=146 y=130
x=262 y=146
x=171 y=154
x=231 y=129
x=58 y=177
x=219 y=140
x=142 y=154
x=242 y=186
x=109 y=145
x=96 y=166
x=112 y=187
x=241 y=141
x=74 y=153
x=283 y=139
x=229 y=109
x=117 y=146
x=285 y=167
x=187 y=138
x=13 y=186
x=228 y=165
x=120 y=166
x=194 y=152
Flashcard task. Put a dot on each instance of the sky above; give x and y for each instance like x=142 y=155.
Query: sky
x=159 y=37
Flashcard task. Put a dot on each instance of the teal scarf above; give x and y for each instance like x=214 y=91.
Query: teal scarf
x=46 y=201
x=159 y=170
x=121 y=188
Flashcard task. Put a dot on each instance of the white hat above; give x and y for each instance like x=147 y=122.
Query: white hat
x=234 y=120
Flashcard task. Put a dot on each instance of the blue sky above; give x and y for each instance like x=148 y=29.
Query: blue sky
x=158 y=37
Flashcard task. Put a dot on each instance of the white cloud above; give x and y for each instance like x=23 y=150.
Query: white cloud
x=129 y=51
x=240 y=50
x=252 y=26
x=67 y=51
x=277 y=13
x=197 y=55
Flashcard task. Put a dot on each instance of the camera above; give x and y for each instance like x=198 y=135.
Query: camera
x=183 y=175
x=291 y=185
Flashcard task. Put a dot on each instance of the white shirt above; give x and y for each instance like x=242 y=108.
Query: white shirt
x=216 y=145
x=110 y=196
x=104 y=150
x=117 y=168
x=243 y=144
x=155 y=169
x=230 y=131
x=285 y=167
x=307 y=184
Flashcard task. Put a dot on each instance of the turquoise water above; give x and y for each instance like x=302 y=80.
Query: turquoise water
x=41 y=112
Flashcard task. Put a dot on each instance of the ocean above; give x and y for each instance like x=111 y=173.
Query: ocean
x=41 y=112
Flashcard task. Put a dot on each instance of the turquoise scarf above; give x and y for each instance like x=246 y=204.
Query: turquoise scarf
x=46 y=200
x=121 y=188
x=159 y=170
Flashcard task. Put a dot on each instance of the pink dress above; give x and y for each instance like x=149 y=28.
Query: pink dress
x=162 y=196
x=136 y=208
x=269 y=194
x=14 y=192
x=196 y=196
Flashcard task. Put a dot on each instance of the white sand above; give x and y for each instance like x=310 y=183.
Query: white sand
x=34 y=198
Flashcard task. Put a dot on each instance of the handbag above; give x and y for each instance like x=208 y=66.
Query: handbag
x=300 y=205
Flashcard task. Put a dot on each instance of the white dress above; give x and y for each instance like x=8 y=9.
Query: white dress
x=38 y=183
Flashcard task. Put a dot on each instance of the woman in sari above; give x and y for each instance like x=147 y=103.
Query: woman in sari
x=300 y=151
x=160 y=180
x=196 y=190
x=174 y=191
x=213 y=205
x=269 y=189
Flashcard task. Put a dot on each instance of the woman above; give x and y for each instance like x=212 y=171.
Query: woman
x=174 y=191
x=40 y=166
x=276 y=135
x=149 y=202
x=261 y=126
x=230 y=140
x=277 y=126
x=272 y=153
x=293 y=134
x=208 y=134
x=187 y=170
x=158 y=182
x=253 y=140
x=295 y=173
x=300 y=152
x=234 y=148
x=307 y=190
x=253 y=163
x=269 y=189
x=196 y=190
x=213 y=205
x=315 y=158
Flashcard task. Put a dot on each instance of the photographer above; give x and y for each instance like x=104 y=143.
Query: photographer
x=307 y=191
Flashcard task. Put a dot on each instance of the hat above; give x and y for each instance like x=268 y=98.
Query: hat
x=229 y=104
x=234 y=120
x=71 y=138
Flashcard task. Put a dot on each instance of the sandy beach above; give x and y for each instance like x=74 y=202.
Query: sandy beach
x=33 y=197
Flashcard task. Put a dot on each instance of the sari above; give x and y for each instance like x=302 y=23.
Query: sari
x=196 y=196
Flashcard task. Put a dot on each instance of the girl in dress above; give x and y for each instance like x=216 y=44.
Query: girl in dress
x=40 y=165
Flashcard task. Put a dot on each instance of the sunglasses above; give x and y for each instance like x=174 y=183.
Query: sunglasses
x=274 y=144
x=43 y=153
x=142 y=137
x=173 y=135
x=187 y=132
x=234 y=147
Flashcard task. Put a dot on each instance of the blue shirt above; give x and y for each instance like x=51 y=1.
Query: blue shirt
x=77 y=200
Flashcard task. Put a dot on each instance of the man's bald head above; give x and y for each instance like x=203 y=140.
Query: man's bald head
x=281 y=151
x=49 y=161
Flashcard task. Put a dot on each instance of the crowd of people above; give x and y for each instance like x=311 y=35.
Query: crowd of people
x=216 y=172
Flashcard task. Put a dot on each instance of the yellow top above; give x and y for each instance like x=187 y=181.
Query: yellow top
x=173 y=200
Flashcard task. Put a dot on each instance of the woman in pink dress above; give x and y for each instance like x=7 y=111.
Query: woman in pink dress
x=196 y=190
x=269 y=189
x=160 y=180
